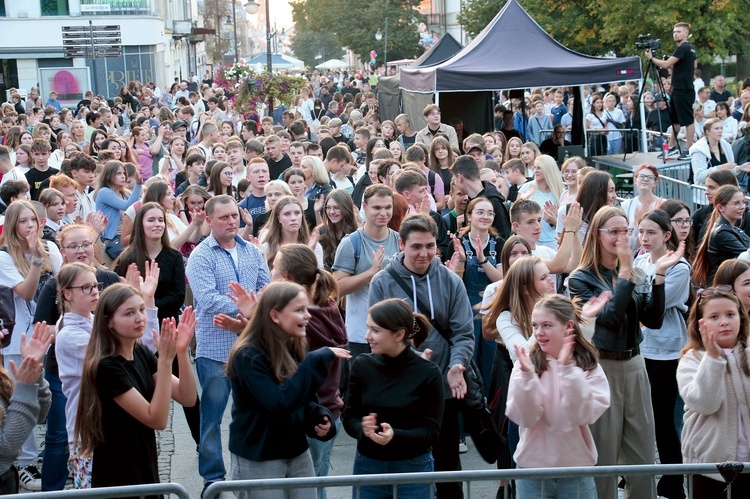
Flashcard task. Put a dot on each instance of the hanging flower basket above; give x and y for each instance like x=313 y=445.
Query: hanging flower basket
x=250 y=89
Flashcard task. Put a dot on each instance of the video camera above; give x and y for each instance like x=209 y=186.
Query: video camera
x=648 y=42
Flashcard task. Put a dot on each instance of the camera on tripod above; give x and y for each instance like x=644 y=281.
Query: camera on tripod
x=648 y=42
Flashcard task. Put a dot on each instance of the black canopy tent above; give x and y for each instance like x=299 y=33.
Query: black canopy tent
x=389 y=87
x=514 y=52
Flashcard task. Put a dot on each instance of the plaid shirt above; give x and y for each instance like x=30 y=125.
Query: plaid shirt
x=209 y=271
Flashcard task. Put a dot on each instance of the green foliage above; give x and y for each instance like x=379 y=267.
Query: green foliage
x=307 y=45
x=606 y=28
x=355 y=22
x=209 y=21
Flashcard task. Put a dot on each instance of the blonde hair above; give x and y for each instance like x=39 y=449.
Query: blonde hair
x=14 y=244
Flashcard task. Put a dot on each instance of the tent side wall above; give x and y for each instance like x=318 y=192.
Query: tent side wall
x=475 y=109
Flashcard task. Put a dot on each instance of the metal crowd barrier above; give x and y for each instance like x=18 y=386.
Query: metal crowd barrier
x=149 y=489
x=469 y=477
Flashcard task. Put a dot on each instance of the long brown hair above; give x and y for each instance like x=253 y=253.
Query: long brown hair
x=102 y=344
x=585 y=354
x=672 y=207
x=469 y=210
x=65 y=278
x=591 y=258
x=137 y=252
x=702 y=262
x=695 y=341
x=516 y=295
x=433 y=163
x=283 y=351
x=13 y=243
x=329 y=238
x=300 y=262
x=274 y=235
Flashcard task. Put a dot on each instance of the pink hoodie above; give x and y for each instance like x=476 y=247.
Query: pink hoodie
x=553 y=412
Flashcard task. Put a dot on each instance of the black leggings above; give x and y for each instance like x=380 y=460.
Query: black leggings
x=9 y=482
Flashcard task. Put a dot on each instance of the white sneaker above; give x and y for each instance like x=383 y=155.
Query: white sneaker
x=462 y=447
x=30 y=478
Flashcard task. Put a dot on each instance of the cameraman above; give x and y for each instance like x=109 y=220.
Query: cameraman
x=683 y=92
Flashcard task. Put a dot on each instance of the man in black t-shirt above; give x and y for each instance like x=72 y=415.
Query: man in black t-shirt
x=682 y=62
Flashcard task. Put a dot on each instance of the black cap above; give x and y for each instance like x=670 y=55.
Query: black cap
x=179 y=124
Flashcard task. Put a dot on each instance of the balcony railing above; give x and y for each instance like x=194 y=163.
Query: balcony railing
x=117 y=7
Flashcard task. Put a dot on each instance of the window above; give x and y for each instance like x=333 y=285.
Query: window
x=116 y=7
x=54 y=7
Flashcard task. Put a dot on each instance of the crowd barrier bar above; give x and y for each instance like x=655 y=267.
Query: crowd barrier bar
x=394 y=479
x=144 y=490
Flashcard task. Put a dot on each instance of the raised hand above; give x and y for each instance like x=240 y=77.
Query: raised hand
x=246 y=301
x=28 y=372
x=624 y=254
x=246 y=217
x=670 y=258
x=550 y=212
x=424 y=206
x=456 y=381
x=377 y=259
x=97 y=221
x=199 y=216
x=566 y=352
x=149 y=281
x=186 y=329
x=573 y=219
x=709 y=340
x=36 y=346
x=458 y=248
x=454 y=262
x=595 y=304
x=313 y=239
x=319 y=203
x=523 y=359
x=34 y=247
x=132 y=276
x=227 y=323
x=167 y=346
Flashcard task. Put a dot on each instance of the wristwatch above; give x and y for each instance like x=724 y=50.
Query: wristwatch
x=37 y=263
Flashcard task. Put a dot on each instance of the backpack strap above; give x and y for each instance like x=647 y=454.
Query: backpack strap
x=356 y=239
x=422 y=309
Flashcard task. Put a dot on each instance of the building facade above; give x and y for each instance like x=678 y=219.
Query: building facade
x=156 y=39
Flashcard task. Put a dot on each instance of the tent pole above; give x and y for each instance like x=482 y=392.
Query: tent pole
x=437 y=99
x=642 y=108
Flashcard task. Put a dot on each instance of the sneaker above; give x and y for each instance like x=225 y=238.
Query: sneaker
x=30 y=478
x=684 y=156
x=671 y=151
x=462 y=447
x=205 y=486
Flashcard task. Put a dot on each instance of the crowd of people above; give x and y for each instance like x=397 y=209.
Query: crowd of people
x=328 y=269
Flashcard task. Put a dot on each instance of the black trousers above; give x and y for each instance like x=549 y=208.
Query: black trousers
x=9 y=482
x=445 y=451
x=662 y=375
x=707 y=488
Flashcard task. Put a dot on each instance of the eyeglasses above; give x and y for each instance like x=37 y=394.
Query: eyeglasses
x=482 y=213
x=88 y=289
x=228 y=174
x=76 y=247
x=724 y=288
x=682 y=222
x=618 y=232
x=648 y=178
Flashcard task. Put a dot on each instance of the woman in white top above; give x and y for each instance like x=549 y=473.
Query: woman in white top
x=58 y=155
x=645 y=179
x=614 y=120
x=728 y=123
x=545 y=189
x=26 y=263
x=597 y=120
x=570 y=169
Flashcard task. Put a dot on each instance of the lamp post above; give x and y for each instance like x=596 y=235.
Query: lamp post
x=378 y=37
x=252 y=7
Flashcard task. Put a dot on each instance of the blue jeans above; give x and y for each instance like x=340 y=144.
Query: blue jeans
x=215 y=396
x=55 y=470
x=367 y=466
x=615 y=146
x=321 y=456
x=556 y=488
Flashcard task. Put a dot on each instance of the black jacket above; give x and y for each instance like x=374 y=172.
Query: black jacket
x=632 y=303
x=725 y=242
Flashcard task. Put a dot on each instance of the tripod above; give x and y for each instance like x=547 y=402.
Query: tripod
x=653 y=71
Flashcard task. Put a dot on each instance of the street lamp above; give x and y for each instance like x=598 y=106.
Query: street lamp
x=251 y=8
x=378 y=37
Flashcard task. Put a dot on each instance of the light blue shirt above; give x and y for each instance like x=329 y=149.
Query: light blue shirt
x=209 y=271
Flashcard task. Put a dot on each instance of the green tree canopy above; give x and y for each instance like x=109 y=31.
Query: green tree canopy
x=355 y=22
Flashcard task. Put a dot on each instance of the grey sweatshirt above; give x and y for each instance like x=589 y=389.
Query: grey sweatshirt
x=445 y=297
x=28 y=406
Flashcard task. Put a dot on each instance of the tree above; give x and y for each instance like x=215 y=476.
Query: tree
x=308 y=45
x=214 y=52
x=606 y=28
x=356 y=29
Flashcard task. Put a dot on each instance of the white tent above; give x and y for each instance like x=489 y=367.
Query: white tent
x=296 y=63
x=333 y=64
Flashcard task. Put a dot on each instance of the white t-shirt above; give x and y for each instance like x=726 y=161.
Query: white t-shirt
x=318 y=252
x=17 y=173
x=11 y=277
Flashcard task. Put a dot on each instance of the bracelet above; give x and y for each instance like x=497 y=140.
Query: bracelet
x=482 y=263
x=459 y=271
x=660 y=274
x=569 y=231
x=37 y=263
